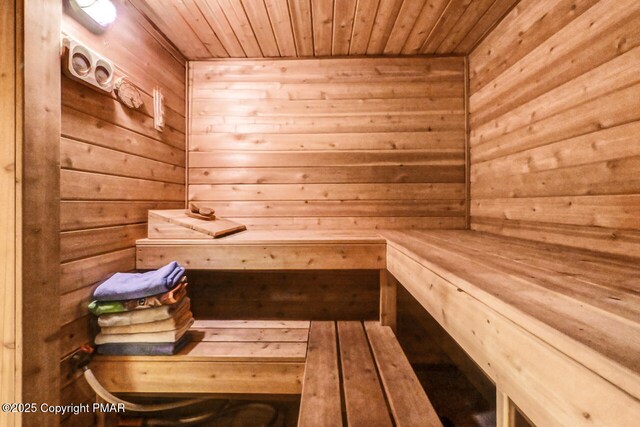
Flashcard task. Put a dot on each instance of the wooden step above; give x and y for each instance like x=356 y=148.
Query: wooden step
x=244 y=357
x=364 y=371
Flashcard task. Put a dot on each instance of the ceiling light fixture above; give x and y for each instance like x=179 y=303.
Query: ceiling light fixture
x=102 y=12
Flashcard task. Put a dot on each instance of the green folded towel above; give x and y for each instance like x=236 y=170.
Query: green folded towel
x=105 y=307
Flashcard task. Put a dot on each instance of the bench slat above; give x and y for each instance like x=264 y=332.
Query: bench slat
x=363 y=395
x=253 y=335
x=251 y=324
x=256 y=351
x=320 y=404
x=408 y=401
x=616 y=294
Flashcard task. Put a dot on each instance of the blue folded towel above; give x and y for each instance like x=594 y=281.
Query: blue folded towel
x=126 y=286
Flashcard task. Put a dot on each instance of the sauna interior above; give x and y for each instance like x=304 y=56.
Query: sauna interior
x=383 y=212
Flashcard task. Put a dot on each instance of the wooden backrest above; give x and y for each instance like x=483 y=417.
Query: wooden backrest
x=554 y=133
x=330 y=144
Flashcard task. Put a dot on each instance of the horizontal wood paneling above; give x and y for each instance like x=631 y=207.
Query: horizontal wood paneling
x=285 y=295
x=87 y=271
x=114 y=167
x=355 y=222
x=81 y=156
x=231 y=159
x=81 y=126
x=78 y=215
x=345 y=191
x=328 y=174
x=555 y=151
x=620 y=211
x=323 y=91
x=341 y=208
x=204 y=29
x=327 y=141
x=330 y=143
x=95 y=241
x=81 y=185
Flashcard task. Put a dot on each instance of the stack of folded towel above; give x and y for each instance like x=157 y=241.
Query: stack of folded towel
x=143 y=313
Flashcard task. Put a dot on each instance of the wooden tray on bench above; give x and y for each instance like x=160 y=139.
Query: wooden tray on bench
x=176 y=224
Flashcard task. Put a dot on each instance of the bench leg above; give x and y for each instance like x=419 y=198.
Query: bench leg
x=388 y=303
x=505 y=410
x=101 y=417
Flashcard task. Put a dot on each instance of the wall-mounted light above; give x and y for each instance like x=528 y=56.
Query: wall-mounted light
x=101 y=12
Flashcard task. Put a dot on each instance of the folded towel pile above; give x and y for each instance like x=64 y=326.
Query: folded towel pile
x=143 y=313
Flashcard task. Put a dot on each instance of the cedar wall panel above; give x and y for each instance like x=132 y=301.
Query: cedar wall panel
x=293 y=295
x=114 y=167
x=330 y=143
x=555 y=125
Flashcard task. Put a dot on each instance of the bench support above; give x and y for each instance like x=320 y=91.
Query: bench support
x=388 y=299
x=505 y=410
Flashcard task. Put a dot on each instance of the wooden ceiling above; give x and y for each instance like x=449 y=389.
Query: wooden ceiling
x=203 y=29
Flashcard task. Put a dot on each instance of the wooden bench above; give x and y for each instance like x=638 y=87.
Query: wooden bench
x=557 y=329
x=225 y=357
x=529 y=314
x=271 y=357
x=360 y=377
x=257 y=249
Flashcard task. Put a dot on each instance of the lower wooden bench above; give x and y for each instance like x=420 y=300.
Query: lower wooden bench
x=354 y=374
x=359 y=376
x=234 y=357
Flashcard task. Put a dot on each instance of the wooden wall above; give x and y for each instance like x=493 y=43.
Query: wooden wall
x=114 y=167
x=555 y=125
x=293 y=295
x=330 y=143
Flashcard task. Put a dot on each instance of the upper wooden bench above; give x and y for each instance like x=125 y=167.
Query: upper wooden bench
x=259 y=249
x=557 y=329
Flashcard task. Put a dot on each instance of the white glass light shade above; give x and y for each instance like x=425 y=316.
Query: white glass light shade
x=103 y=12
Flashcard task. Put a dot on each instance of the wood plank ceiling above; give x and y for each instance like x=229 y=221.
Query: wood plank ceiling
x=204 y=29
